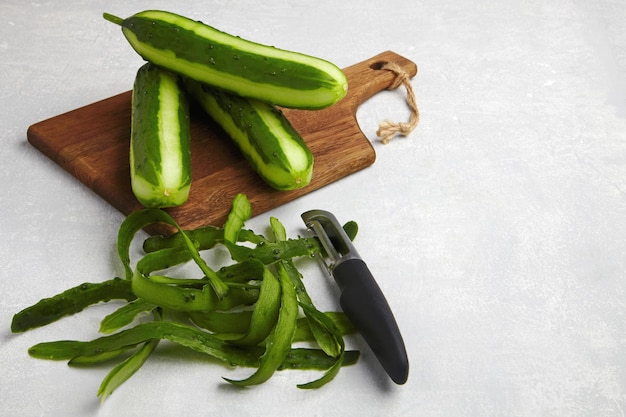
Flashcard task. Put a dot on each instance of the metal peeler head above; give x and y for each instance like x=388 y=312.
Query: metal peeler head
x=337 y=245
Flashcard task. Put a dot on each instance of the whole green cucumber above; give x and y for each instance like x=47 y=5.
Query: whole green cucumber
x=265 y=137
x=245 y=68
x=160 y=149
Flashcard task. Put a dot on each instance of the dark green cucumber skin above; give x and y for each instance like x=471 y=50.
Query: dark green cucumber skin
x=265 y=146
x=174 y=35
x=145 y=143
x=71 y=301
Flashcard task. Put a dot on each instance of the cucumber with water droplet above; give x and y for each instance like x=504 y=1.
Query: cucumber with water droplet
x=160 y=148
x=246 y=68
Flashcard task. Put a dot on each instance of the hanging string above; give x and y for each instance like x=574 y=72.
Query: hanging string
x=387 y=129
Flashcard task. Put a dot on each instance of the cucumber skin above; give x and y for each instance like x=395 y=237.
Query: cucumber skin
x=249 y=69
x=265 y=137
x=160 y=120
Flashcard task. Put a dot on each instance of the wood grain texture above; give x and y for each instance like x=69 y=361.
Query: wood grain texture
x=92 y=142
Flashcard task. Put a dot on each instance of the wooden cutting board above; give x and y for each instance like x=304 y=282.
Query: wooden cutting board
x=92 y=144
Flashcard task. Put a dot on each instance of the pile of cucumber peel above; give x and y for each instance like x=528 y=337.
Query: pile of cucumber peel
x=251 y=311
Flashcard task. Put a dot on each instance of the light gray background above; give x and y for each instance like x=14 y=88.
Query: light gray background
x=497 y=229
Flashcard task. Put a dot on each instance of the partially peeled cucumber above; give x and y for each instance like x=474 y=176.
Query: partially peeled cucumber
x=160 y=149
x=249 y=69
x=269 y=142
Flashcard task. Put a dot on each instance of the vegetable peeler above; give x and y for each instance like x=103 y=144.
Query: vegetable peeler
x=361 y=298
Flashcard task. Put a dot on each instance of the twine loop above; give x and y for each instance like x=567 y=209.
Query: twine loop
x=388 y=129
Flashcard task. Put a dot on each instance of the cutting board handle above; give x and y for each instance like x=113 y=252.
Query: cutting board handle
x=365 y=79
x=368 y=78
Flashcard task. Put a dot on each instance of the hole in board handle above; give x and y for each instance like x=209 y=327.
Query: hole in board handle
x=378 y=65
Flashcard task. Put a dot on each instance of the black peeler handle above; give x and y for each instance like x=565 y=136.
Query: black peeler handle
x=365 y=305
